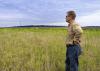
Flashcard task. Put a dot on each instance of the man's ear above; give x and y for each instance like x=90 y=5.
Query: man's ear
x=71 y=17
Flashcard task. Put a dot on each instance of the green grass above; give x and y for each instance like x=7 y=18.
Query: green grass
x=43 y=49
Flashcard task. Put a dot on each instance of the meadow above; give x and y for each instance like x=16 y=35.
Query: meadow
x=43 y=49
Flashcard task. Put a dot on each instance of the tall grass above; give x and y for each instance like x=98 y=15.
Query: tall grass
x=43 y=49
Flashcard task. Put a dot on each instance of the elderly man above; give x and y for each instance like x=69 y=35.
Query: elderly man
x=73 y=42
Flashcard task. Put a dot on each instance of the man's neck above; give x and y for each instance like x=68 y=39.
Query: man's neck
x=71 y=22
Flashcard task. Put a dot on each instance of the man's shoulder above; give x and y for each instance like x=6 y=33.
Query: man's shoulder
x=76 y=24
x=77 y=27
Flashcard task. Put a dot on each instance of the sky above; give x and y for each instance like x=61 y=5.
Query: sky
x=48 y=12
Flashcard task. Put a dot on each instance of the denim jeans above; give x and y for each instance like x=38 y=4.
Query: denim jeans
x=72 y=54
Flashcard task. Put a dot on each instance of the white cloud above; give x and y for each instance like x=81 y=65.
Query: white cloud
x=91 y=19
x=58 y=23
x=10 y=16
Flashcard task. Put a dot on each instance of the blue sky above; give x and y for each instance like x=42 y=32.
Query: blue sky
x=48 y=12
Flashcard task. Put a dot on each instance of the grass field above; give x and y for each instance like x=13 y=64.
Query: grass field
x=43 y=49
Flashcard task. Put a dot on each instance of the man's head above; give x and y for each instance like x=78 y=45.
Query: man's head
x=70 y=16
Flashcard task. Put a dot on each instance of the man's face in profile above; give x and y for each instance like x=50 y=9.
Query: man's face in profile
x=68 y=18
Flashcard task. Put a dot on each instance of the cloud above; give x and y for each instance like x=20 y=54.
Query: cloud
x=90 y=19
x=11 y=16
x=45 y=11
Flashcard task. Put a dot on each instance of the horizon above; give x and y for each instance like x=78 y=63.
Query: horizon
x=45 y=26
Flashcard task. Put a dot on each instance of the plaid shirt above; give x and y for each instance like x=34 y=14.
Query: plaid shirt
x=74 y=34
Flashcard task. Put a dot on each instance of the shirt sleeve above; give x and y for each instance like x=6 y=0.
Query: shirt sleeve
x=77 y=33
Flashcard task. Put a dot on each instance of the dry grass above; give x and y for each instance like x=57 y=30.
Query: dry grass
x=43 y=49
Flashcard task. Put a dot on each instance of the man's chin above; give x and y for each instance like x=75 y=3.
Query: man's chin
x=67 y=21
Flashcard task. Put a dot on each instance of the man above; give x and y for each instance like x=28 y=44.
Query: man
x=73 y=42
